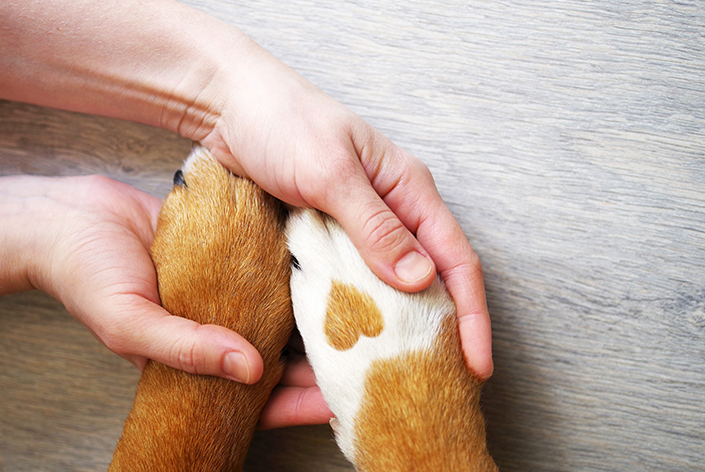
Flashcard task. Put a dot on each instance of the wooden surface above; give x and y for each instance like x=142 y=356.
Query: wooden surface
x=568 y=138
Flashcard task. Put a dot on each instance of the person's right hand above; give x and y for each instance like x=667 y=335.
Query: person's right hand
x=307 y=149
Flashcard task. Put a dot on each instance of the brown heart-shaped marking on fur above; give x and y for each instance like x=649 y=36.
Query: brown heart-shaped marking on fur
x=349 y=315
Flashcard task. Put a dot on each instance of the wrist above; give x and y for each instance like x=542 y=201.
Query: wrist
x=211 y=56
x=161 y=63
x=21 y=236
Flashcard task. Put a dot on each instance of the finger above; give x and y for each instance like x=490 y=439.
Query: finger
x=408 y=190
x=444 y=243
x=459 y=266
x=384 y=242
x=297 y=373
x=294 y=406
x=149 y=331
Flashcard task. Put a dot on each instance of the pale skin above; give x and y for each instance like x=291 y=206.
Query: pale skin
x=165 y=64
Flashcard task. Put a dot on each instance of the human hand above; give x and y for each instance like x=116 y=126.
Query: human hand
x=307 y=149
x=297 y=400
x=85 y=240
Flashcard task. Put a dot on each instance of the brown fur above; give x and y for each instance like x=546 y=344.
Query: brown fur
x=221 y=258
x=349 y=315
x=421 y=412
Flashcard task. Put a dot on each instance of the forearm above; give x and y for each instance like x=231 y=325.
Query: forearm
x=158 y=62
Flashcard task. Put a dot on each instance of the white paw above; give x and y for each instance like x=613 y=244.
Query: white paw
x=349 y=319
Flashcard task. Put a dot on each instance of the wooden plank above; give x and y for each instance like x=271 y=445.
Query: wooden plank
x=567 y=137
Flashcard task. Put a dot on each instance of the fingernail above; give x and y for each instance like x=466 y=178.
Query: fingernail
x=413 y=267
x=235 y=365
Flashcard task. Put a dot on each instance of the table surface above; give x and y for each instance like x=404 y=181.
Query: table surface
x=567 y=137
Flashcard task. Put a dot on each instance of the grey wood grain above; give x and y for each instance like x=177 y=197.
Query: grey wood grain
x=567 y=137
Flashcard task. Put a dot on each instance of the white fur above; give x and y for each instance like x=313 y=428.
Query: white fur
x=197 y=153
x=411 y=321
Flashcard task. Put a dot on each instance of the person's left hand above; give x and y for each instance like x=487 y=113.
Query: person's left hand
x=85 y=240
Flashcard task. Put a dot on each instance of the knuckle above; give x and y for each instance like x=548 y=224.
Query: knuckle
x=189 y=356
x=384 y=232
x=468 y=272
x=419 y=170
x=179 y=353
x=323 y=184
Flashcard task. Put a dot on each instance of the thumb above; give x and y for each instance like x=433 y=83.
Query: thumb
x=387 y=246
x=148 y=331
